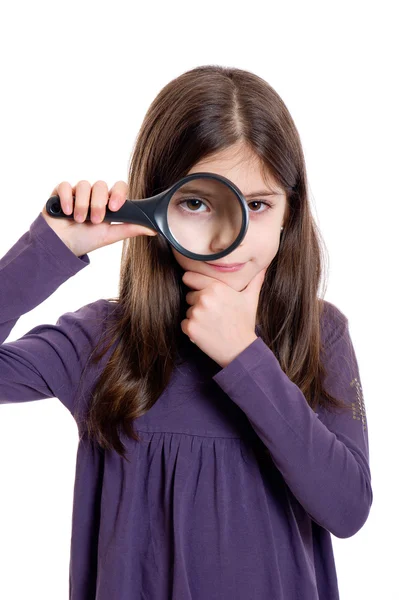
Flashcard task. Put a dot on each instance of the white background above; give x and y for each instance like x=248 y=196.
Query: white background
x=76 y=81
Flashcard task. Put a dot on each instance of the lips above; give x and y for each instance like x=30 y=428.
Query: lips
x=225 y=264
x=229 y=269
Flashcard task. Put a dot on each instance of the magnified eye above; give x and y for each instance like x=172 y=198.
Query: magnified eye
x=194 y=203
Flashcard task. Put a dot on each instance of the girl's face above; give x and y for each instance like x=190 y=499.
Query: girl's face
x=262 y=240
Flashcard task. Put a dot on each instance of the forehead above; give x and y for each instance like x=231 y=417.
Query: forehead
x=243 y=167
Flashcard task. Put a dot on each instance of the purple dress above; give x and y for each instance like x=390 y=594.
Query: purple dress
x=198 y=514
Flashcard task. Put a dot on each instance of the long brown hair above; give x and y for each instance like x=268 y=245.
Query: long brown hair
x=205 y=110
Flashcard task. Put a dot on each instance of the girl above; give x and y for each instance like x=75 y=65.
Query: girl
x=222 y=427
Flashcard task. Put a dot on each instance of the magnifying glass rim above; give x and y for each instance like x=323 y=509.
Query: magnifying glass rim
x=161 y=219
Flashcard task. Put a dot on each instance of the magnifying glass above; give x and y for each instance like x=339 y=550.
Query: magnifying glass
x=203 y=216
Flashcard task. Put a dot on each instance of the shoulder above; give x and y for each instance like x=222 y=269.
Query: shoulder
x=98 y=309
x=90 y=319
x=333 y=323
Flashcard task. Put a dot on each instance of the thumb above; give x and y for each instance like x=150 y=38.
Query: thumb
x=121 y=231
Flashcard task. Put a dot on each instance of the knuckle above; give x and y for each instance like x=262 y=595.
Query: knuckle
x=83 y=183
x=205 y=301
x=100 y=183
x=81 y=201
x=97 y=209
x=97 y=206
x=116 y=200
x=119 y=191
x=63 y=190
x=64 y=184
x=121 y=185
x=97 y=215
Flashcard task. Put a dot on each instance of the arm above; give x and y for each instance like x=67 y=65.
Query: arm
x=48 y=360
x=324 y=458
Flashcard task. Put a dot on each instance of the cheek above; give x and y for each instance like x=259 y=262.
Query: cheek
x=264 y=243
x=186 y=263
x=264 y=248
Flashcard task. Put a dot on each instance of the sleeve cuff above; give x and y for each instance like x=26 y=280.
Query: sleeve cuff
x=248 y=359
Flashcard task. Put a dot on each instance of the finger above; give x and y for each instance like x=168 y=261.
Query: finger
x=64 y=191
x=82 y=200
x=191 y=297
x=197 y=281
x=118 y=195
x=99 y=200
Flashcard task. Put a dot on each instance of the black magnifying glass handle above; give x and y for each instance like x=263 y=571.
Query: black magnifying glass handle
x=130 y=212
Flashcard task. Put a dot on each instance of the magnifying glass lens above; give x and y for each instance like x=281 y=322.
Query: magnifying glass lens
x=205 y=216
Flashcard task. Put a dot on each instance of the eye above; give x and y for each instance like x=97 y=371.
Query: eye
x=195 y=203
x=258 y=203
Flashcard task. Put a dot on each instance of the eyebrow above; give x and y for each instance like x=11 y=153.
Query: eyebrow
x=262 y=193
x=192 y=189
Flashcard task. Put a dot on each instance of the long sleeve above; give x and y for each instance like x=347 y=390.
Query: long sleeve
x=48 y=360
x=323 y=456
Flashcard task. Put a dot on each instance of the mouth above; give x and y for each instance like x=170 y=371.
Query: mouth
x=226 y=266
